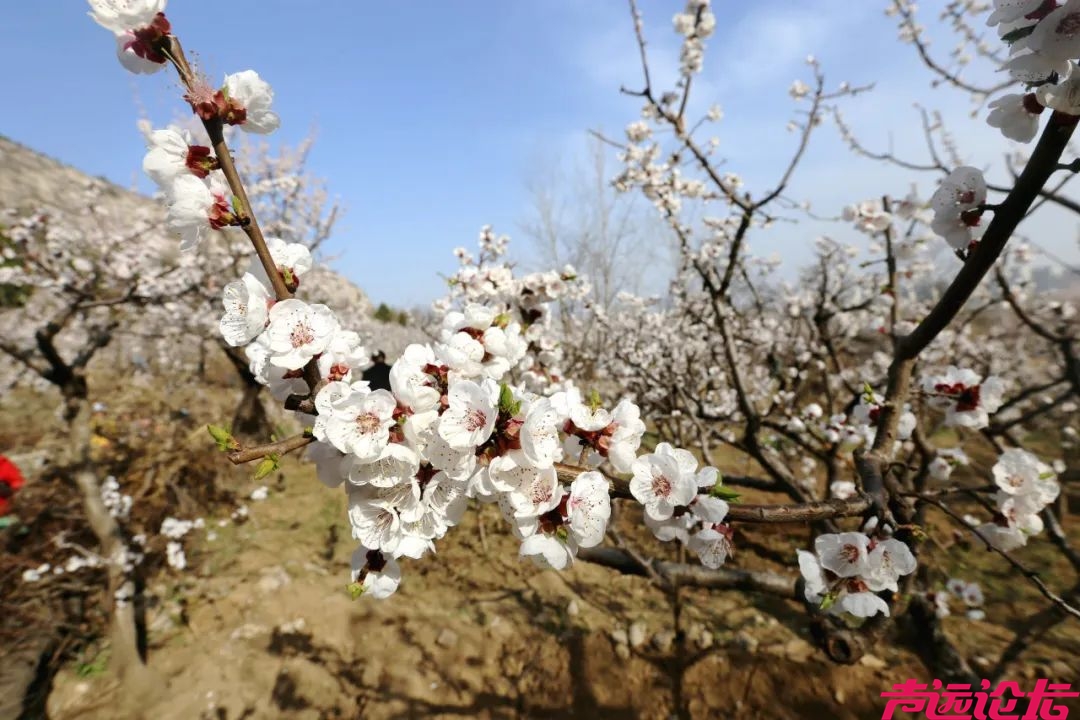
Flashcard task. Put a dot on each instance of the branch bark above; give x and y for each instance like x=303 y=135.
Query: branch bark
x=693 y=575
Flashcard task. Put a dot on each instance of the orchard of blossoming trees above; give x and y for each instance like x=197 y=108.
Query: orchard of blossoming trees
x=859 y=394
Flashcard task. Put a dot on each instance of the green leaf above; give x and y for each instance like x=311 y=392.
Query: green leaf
x=868 y=393
x=719 y=491
x=506 y=396
x=269 y=464
x=507 y=404
x=828 y=601
x=1017 y=34
x=224 y=439
x=917 y=532
x=288 y=276
x=355 y=590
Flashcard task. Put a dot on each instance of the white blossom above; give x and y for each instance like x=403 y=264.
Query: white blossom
x=1063 y=96
x=247 y=311
x=197 y=207
x=1057 y=36
x=255 y=96
x=955 y=204
x=122 y=15
x=1017 y=116
x=844 y=554
x=967 y=398
x=626 y=436
x=660 y=483
x=378 y=575
x=548 y=551
x=712 y=546
x=297 y=332
x=588 y=508
x=167 y=156
x=470 y=417
x=359 y=424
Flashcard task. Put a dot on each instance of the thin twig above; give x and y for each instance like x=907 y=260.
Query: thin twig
x=246 y=455
x=1023 y=569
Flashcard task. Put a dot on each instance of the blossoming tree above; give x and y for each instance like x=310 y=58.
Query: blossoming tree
x=840 y=420
x=855 y=369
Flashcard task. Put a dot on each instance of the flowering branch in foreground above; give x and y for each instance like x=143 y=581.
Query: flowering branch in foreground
x=484 y=413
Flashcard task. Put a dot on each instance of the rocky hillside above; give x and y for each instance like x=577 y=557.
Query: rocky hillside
x=30 y=180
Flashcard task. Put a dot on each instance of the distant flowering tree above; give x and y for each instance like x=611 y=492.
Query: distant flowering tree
x=856 y=369
x=838 y=382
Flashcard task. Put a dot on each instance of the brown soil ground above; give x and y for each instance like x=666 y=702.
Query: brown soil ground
x=260 y=624
x=264 y=629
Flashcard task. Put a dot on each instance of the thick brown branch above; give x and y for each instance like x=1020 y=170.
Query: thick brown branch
x=1043 y=163
x=693 y=575
x=802 y=513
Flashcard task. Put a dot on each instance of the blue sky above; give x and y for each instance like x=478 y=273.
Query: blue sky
x=432 y=115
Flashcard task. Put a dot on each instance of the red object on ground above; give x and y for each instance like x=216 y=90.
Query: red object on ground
x=11 y=480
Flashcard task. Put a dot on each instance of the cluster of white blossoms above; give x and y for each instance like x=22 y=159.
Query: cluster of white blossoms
x=175 y=530
x=447 y=431
x=958 y=207
x=459 y=422
x=198 y=197
x=1044 y=44
x=854 y=429
x=967 y=398
x=127 y=556
x=868 y=216
x=488 y=279
x=117 y=503
x=682 y=502
x=847 y=570
x=968 y=593
x=1026 y=485
x=73 y=564
x=695 y=23
x=244 y=99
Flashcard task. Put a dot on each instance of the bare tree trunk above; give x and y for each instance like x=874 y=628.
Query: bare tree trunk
x=250 y=421
x=21 y=693
x=139 y=681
